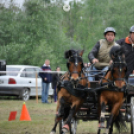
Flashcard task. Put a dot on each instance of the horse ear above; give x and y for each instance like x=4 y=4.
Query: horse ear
x=81 y=53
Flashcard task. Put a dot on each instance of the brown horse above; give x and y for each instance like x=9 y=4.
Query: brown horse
x=69 y=99
x=114 y=95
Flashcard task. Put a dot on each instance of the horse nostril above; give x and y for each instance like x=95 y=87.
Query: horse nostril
x=74 y=80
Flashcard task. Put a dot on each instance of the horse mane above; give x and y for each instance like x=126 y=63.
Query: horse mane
x=116 y=50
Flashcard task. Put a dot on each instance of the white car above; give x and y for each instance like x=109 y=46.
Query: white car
x=22 y=81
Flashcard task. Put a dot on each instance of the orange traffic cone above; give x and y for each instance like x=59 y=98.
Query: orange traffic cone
x=24 y=114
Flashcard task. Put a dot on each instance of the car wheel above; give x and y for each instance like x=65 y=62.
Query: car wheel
x=25 y=94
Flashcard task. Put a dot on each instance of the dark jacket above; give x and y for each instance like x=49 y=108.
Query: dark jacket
x=94 y=52
x=129 y=55
x=55 y=79
x=45 y=75
x=101 y=52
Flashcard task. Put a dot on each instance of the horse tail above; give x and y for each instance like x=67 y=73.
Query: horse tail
x=119 y=122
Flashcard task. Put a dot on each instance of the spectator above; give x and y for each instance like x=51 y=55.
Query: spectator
x=55 y=79
x=46 y=79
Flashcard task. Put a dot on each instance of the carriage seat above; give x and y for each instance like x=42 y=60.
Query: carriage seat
x=94 y=84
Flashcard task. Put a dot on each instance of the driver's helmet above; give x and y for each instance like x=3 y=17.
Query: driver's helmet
x=109 y=29
x=131 y=29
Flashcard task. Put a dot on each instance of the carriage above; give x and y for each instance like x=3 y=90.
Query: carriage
x=78 y=87
x=89 y=109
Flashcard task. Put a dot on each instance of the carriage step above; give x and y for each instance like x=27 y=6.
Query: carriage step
x=84 y=109
x=122 y=110
x=94 y=84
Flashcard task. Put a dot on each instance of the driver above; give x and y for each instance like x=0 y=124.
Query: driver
x=99 y=55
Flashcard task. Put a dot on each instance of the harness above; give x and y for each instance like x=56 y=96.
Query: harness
x=69 y=84
x=110 y=84
x=70 y=88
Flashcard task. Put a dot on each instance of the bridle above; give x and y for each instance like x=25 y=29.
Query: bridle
x=120 y=63
x=76 y=59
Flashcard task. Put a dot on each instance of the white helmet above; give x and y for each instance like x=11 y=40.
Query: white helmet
x=109 y=29
x=131 y=29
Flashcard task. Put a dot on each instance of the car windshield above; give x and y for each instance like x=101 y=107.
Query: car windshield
x=12 y=71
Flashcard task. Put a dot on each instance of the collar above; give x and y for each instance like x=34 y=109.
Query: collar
x=128 y=40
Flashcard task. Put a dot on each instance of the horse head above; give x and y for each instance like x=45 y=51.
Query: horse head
x=74 y=64
x=119 y=66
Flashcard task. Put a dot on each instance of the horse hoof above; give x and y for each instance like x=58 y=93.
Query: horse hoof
x=65 y=129
x=102 y=125
x=53 y=132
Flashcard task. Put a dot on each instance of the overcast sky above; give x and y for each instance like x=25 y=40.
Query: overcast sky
x=20 y=2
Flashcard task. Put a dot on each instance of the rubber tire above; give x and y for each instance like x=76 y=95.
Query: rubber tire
x=25 y=94
x=132 y=114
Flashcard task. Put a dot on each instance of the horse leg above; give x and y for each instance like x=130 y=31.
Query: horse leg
x=111 y=128
x=99 y=130
x=59 y=114
x=102 y=115
x=65 y=128
x=114 y=113
x=118 y=120
x=61 y=108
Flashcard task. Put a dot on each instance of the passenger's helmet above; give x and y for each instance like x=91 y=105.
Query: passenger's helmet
x=109 y=29
x=131 y=29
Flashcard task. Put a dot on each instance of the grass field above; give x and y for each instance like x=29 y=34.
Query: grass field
x=42 y=116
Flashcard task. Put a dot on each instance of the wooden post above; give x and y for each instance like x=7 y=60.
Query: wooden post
x=36 y=87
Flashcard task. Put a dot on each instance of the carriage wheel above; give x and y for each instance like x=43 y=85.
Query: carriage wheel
x=132 y=115
x=73 y=126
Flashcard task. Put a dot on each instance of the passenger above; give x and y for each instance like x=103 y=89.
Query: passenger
x=128 y=43
x=99 y=55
